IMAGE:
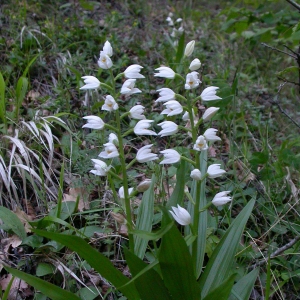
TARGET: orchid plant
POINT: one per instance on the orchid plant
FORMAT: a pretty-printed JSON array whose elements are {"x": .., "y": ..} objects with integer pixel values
[{"x": 181, "y": 259}]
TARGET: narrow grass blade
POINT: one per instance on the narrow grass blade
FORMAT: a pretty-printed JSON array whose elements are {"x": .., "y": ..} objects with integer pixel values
[
  {"x": 13, "y": 222},
  {"x": 52, "y": 291},
  {"x": 97, "y": 260},
  {"x": 144, "y": 220},
  {"x": 151, "y": 236},
  {"x": 7, "y": 290},
  {"x": 176, "y": 266},
  {"x": 150, "y": 285},
  {"x": 222, "y": 259},
  {"x": 242, "y": 289}
]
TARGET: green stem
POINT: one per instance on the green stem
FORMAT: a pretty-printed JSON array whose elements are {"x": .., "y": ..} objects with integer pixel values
[
  {"x": 179, "y": 76},
  {"x": 180, "y": 97},
  {"x": 113, "y": 83},
  {"x": 112, "y": 174},
  {"x": 130, "y": 164},
  {"x": 125, "y": 115},
  {"x": 125, "y": 183},
  {"x": 108, "y": 87},
  {"x": 184, "y": 128},
  {"x": 127, "y": 132},
  {"x": 110, "y": 127},
  {"x": 188, "y": 160},
  {"x": 118, "y": 76}
]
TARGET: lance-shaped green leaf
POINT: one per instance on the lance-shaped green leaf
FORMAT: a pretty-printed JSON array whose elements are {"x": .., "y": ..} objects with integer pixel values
[
  {"x": 50, "y": 290},
  {"x": 21, "y": 90},
  {"x": 144, "y": 220},
  {"x": 220, "y": 264},
  {"x": 97, "y": 260},
  {"x": 149, "y": 284},
  {"x": 222, "y": 292},
  {"x": 176, "y": 266},
  {"x": 178, "y": 193},
  {"x": 242, "y": 289}
]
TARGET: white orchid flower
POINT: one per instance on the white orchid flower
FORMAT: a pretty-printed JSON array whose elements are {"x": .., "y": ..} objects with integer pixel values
[
  {"x": 122, "y": 194},
  {"x": 196, "y": 174},
  {"x": 209, "y": 113},
  {"x": 128, "y": 87},
  {"x": 107, "y": 49},
  {"x": 144, "y": 154},
  {"x": 142, "y": 128},
  {"x": 189, "y": 48},
  {"x": 110, "y": 151},
  {"x": 100, "y": 167},
  {"x": 200, "y": 144},
  {"x": 209, "y": 94},
  {"x": 91, "y": 83},
  {"x": 165, "y": 94},
  {"x": 181, "y": 215},
  {"x": 168, "y": 128},
  {"x": 104, "y": 61},
  {"x": 173, "y": 108},
  {"x": 137, "y": 112},
  {"x": 133, "y": 72},
  {"x": 195, "y": 64},
  {"x": 165, "y": 72},
  {"x": 93, "y": 122},
  {"x": 192, "y": 80},
  {"x": 110, "y": 104},
  {"x": 215, "y": 171},
  {"x": 210, "y": 135},
  {"x": 171, "y": 156},
  {"x": 221, "y": 198}
]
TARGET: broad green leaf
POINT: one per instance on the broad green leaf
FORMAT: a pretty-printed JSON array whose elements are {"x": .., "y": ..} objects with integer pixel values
[
  {"x": 67, "y": 209},
  {"x": 222, "y": 291},
  {"x": 12, "y": 222},
  {"x": 150, "y": 285},
  {"x": 52, "y": 291},
  {"x": 88, "y": 293},
  {"x": 144, "y": 220},
  {"x": 242, "y": 289},
  {"x": 178, "y": 193},
  {"x": 44, "y": 269},
  {"x": 176, "y": 266},
  {"x": 220, "y": 264},
  {"x": 95, "y": 259}
]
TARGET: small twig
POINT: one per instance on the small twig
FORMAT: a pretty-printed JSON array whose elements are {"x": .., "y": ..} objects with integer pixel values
[
  {"x": 277, "y": 252},
  {"x": 291, "y": 50},
  {"x": 278, "y": 50},
  {"x": 288, "y": 81},
  {"x": 274, "y": 101},
  {"x": 294, "y": 4},
  {"x": 280, "y": 108}
]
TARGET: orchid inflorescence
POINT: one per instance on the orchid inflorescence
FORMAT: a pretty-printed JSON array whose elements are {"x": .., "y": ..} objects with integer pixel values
[{"x": 174, "y": 105}]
